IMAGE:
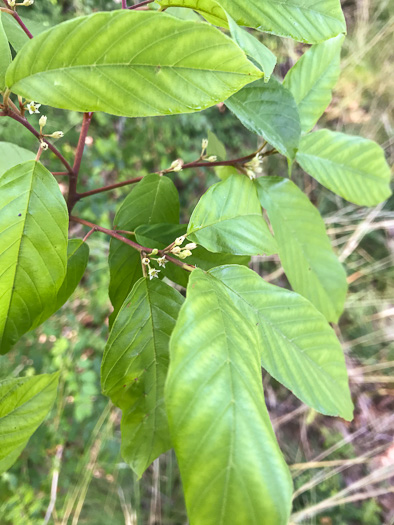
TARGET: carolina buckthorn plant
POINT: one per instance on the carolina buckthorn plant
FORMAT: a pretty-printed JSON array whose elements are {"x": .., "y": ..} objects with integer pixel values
[{"x": 185, "y": 369}]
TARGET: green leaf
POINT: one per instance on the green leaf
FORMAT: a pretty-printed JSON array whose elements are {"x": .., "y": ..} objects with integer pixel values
[
  {"x": 228, "y": 218},
  {"x": 353, "y": 167},
  {"x": 161, "y": 235},
  {"x": 24, "y": 404},
  {"x": 304, "y": 247},
  {"x": 77, "y": 260},
  {"x": 5, "y": 54},
  {"x": 269, "y": 110},
  {"x": 141, "y": 64},
  {"x": 134, "y": 369},
  {"x": 11, "y": 155},
  {"x": 153, "y": 200},
  {"x": 33, "y": 248},
  {"x": 232, "y": 469},
  {"x": 255, "y": 50},
  {"x": 312, "y": 78},
  {"x": 209, "y": 9},
  {"x": 215, "y": 146},
  {"x": 298, "y": 346},
  {"x": 224, "y": 172},
  {"x": 303, "y": 20},
  {"x": 215, "y": 14},
  {"x": 15, "y": 34}
]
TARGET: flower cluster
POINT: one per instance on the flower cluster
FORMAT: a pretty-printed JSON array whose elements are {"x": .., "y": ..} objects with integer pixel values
[
  {"x": 33, "y": 108},
  {"x": 253, "y": 167},
  {"x": 182, "y": 252},
  {"x": 25, "y": 3}
]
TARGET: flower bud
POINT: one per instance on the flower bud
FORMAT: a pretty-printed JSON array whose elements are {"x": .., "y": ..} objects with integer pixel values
[
  {"x": 179, "y": 240},
  {"x": 43, "y": 145},
  {"x": 204, "y": 144},
  {"x": 155, "y": 251},
  {"x": 42, "y": 121},
  {"x": 177, "y": 165},
  {"x": 175, "y": 250},
  {"x": 212, "y": 158},
  {"x": 191, "y": 246},
  {"x": 184, "y": 254},
  {"x": 57, "y": 135}
]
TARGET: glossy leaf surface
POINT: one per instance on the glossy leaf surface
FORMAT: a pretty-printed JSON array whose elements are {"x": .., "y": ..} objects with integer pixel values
[
  {"x": 352, "y": 167},
  {"x": 24, "y": 404},
  {"x": 303, "y": 246},
  {"x": 33, "y": 248},
  {"x": 5, "y": 53},
  {"x": 304, "y": 20},
  {"x": 11, "y": 155},
  {"x": 209, "y": 9},
  {"x": 153, "y": 200},
  {"x": 269, "y": 109},
  {"x": 298, "y": 346},
  {"x": 228, "y": 218},
  {"x": 218, "y": 420},
  {"x": 312, "y": 78},
  {"x": 134, "y": 369},
  {"x": 141, "y": 64}
]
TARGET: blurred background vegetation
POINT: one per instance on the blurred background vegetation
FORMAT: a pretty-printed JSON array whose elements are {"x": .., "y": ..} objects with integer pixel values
[{"x": 343, "y": 472}]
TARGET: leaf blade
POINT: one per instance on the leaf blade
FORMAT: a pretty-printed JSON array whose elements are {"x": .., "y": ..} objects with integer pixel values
[
  {"x": 228, "y": 218},
  {"x": 312, "y": 78},
  {"x": 214, "y": 375},
  {"x": 134, "y": 369},
  {"x": 33, "y": 214},
  {"x": 133, "y": 66},
  {"x": 304, "y": 248},
  {"x": 269, "y": 109},
  {"x": 352, "y": 167},
  {"x": 299, "y": 348},
  {"x": 25, "y": 402}
]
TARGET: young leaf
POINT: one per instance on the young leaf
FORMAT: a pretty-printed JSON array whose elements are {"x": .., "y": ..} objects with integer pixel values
[
  {"x": 215, "y": 146},
  {"x": 303, "y": 245},
  {"x": 141, "y": 64},
  {"x": 161, "y": 235},
  {"x": 153, "y": 200},
  {"x": 353, "y": 167},
  {"x": 33, "y": 248},
  {"x": 25, "y": 402},
  {"x": 312, "y": 78},
  {"x": 269, "y": 110},
  {"x": 5, "y": 54},
  {"x": 11, "y": 155},
  {"x": 305, "y": 21},
  {"x": 298, "y": 346},
  {"x": 231, "y": 466},
  {"x": 255, "y": 50},
  {"x": 134, "y": 369},
  {"x": 228, "y": 218}
]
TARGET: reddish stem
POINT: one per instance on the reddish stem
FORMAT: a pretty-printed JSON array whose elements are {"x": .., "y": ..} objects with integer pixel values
[
  {"x": 112, "y": 233},
  {"x": 124, "y": 4},
  {"x": 72, "y": 191},
  {"x": 27, "y": 125},
  {"x": 18, "y": 19},
  {"x": 141, "y": 4},
  {"x": 108, "y": 188}
]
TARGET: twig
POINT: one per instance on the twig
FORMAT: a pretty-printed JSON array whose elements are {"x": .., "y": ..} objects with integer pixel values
[
  {"x": 141, "y": 4},
  {"x": 17, "y": 18},
  {"x": 108, "y": 188},
  {"x": 72, "y": 190},
  {"x": 136, "y": 246},
  {"x": 55, "y": 479},
  {"x": 27, "y": 125}
]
